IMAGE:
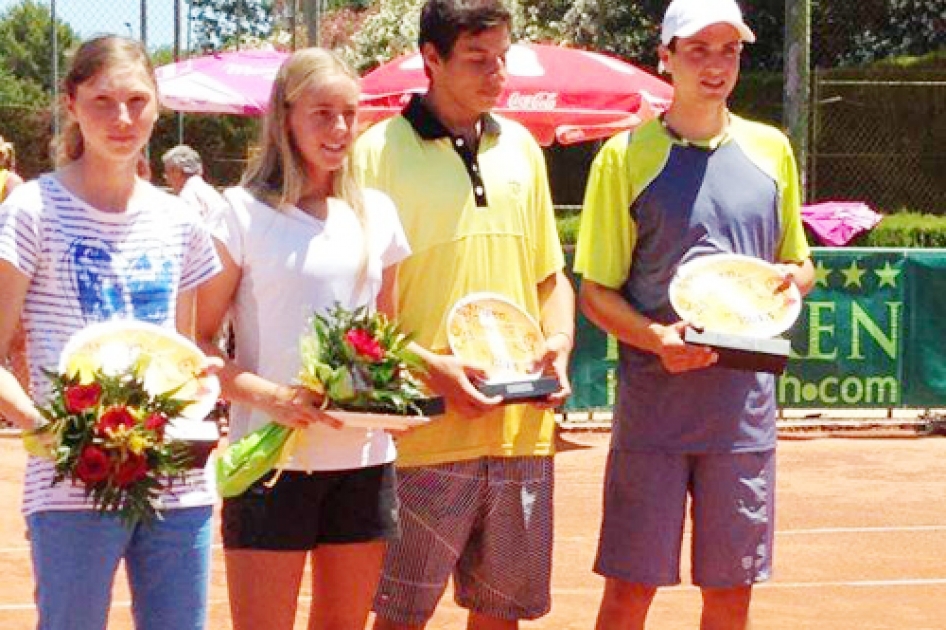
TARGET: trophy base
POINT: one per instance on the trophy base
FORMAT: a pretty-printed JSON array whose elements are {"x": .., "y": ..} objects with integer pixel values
[
  {"x": 739, "y": 352},
  {"x": 433, "y": 406},
  {"x": 522, "y": 391},
  {"x": 201, "y": 438}
]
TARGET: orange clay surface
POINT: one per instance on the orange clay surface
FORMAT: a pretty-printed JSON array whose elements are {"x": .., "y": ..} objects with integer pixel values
[{"x": 861, "y": 543}]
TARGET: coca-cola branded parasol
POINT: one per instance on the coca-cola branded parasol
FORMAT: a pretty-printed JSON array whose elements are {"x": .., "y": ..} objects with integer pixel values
[{"x": 558, "y": 93}]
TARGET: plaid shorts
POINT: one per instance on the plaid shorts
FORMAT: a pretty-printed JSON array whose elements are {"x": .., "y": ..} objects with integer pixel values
[{"x": 488, "y": 523}]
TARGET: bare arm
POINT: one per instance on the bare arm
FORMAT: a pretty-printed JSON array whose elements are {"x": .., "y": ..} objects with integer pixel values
[
  {"x": 186, "y": 302},
  {"x": 15, "y": 404},
  {"x": 286, "y": 404},
  {"x": 608, "y": 310},
  {"x": 557, "y": 304},
  {"x": 387, "y": 296}
]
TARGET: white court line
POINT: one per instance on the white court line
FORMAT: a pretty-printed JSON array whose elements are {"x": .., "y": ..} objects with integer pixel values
[
  {"x": 784, "y": 532},
  {"x": 683, "y": 588},
  {"x": 811, "y": 532},
  {"x": 26, "y": 548},
  {"x": 906, "y": 582},
  {"x": 124, "y": 603},
  {"x": 860, "y": 530}
]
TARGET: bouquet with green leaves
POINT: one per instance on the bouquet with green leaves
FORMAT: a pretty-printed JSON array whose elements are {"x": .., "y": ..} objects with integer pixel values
[
  {"x": 357, "y": 360},
  {"x": 108, "y": 435},
  {"x": 360, "y": 361}
]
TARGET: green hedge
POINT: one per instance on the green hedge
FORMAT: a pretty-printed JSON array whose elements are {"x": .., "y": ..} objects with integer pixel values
[
  {"x": 906, "y": 229},
  {"x": 903, "y": 229}
]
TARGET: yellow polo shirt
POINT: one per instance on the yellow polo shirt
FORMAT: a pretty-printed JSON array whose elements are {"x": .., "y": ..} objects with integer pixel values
[{"x": 480, "y": 221}]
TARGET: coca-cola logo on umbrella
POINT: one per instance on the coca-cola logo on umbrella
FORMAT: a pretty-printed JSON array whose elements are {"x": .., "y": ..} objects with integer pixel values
[
  {"x": 558, "y": 93},
  {"x": 538, "y": 102}
]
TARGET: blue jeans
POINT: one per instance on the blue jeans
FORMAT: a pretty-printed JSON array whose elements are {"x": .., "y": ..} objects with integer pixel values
[{"x": 76, "y": 554}]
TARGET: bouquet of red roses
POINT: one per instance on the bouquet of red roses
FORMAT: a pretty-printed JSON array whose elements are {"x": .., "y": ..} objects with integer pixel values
[{"x": 108, "y": 434}]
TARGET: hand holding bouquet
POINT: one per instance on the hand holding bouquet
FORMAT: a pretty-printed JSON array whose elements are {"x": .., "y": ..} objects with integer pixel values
[
  {"x": 108, "y": 434},
  {"x": 357, "y": 361},
  {"x": 360, "y": 362}
]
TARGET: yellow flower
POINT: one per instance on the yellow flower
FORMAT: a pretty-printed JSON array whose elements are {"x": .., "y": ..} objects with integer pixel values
[{"x": 138, "y": 443}]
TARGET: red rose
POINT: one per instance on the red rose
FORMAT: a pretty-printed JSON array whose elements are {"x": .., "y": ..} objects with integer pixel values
[
  {"x": 80, "y": 398},
  {"x": 156, "y": 422},
  {"x": 364, "y": 344},
  {"x": 131, "y": 470},
  {"x": 92, "y": 466},
  {"x": 114, "y": 418}
]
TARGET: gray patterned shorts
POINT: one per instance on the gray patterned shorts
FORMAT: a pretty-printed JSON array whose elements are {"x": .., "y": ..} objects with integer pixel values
[{"x": 488, "y": 523}]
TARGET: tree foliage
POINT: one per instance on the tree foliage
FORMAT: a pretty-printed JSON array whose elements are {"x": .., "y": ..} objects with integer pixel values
[
  {"x": 389, "y": 30},
  {"x": 843, "y": 33},
  {"x": 625, "y": 29},
  {"x": 25, "y": 35},
  {"x": 217, "y": 23},
  {"x": 26, "y": 80},
  {"x": 903, "y": 27}
]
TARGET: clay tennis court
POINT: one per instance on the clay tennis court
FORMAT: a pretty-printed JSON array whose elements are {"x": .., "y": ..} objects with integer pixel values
[{"x": 861, "y": 543}]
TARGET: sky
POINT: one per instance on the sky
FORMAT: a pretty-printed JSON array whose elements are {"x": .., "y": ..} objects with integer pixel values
[{"x": 89, "y": 17}]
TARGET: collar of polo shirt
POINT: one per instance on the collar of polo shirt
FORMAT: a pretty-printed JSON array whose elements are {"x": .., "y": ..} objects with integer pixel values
[{"x": 428, "y": 127}]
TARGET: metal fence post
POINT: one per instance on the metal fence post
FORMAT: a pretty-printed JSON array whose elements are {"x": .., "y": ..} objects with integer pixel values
[
  {"x": 55, "y": 39},
  {"x": 144, "y": 23},
  {"x": 313, "y": 9},
  {"x": 797, "y": 86}
]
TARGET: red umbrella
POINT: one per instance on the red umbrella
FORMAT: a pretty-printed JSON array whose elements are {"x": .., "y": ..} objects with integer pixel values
[
  {"x": 224, "y": 83},
  {"x": 558, "y": 93}
]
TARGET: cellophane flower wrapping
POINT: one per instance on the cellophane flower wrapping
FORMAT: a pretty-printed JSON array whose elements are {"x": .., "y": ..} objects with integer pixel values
[{"x": 357, "y": 360}]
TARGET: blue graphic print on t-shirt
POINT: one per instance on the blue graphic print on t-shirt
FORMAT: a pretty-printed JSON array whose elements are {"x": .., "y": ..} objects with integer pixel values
[{"x": 107, "y": 284}]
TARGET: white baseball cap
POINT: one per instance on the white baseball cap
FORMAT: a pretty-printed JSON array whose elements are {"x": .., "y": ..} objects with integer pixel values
[{"x": 685, "y": 18}]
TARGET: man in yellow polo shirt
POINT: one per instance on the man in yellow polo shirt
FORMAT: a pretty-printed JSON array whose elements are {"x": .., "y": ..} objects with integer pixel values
[{"x": 471, "y": 189}]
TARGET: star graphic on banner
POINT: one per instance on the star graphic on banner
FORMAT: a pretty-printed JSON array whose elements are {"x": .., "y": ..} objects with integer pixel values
[
  {"x": 822, "y": 274},
  {"x": 888, "y": 275},
  {"x": 852, "y": 275}
]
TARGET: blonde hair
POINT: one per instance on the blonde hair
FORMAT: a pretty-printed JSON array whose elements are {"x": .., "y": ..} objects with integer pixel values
[
  {"x": 7, "y": 155},
  {"x": 92, "y": 57},
  {"x": 276, "y": 172}
]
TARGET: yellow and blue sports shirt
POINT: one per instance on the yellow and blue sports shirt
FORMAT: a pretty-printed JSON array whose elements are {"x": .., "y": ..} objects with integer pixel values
[
  {"x": 478, "y": 219},
  {"x": 655, "y": 201}
]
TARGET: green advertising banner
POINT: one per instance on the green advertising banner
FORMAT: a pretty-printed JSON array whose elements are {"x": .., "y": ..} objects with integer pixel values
[{"x": 871, "y": 334}]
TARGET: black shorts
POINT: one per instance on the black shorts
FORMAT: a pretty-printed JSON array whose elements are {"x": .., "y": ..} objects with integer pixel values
[{"x": 305, "y": 510}]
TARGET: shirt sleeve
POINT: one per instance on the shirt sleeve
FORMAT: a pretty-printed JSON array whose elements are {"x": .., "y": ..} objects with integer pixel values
[
  {"x": 607, "y": 235},
  {"x": 189, "y": 196},
  {"x": 794, "y": 244},
  {"x": 385, "y": 226},
  {"x": 201, "y": 262},
  {"x": 228, "y": 223},
  {"x": 20, "y": 229}
]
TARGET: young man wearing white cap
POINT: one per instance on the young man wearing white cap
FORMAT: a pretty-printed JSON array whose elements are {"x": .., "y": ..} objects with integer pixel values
[{"x": 697, "y": 181}]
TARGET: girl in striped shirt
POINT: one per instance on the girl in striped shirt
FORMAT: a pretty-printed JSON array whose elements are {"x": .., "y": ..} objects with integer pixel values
[{"x": 86, "y": 243}]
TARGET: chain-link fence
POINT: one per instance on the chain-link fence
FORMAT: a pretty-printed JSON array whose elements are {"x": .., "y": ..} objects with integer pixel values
[
  {"x": 876, "y": 131},
  {"x": 880, "y": 141},
  {"x": 35, "y": 57},
  {"x": 878, "y": 111}
]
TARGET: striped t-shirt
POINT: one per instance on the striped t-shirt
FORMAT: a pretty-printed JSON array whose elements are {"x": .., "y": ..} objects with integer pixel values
[{"x": 87, "y": 266}]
